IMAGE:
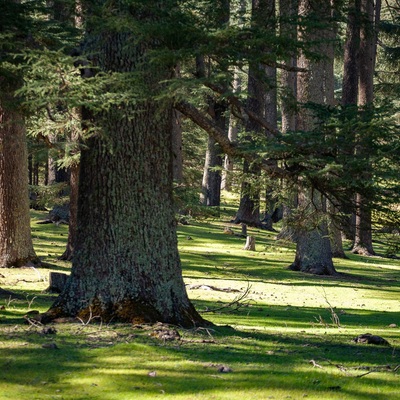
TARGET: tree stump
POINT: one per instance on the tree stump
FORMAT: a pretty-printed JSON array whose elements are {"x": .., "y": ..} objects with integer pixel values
[
  {"x": 57, "y": 282},
  {"x": 228, "y": 231},
  {"x": 250, "y": 243}
]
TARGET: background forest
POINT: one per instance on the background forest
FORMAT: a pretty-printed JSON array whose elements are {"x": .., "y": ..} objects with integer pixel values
[{"x": 142, "y": 124}]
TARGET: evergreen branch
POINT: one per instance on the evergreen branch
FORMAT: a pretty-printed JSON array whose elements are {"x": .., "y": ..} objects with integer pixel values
[
  {"x": 228, "y": 147},
  {"x": 238, "y": 105}
]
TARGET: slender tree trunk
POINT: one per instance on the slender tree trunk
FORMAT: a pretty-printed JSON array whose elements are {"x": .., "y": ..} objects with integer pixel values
[
  {"x": 16, "y": 248},
  {"x": 288, "y": 79},
  {"x": 126, "y": 265},
  {"x": 237, "y": 18},
  {"x": 211, "y": 185},
  {"x": 73, "y": 213},
  {"x": 313, "y": 250},
  {"x": 226, "y": 180},
  {"x": 249, "y": 207},
  {"x": 350, "y": 82},
  {"x": 335, "y": 234},
  {"x": 368, "y": 39},
  {"x": 177, "y": 166}
]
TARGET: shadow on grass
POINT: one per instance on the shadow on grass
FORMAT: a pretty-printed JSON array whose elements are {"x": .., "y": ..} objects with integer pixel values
[{"x": 262, "y": 364}]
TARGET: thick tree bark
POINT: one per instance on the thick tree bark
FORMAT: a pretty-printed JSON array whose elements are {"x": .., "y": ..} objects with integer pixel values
[
  {"x": 16, "y": 248},
  {"x": 313, "y": 250},
  {"x": 126, "y": 265}
]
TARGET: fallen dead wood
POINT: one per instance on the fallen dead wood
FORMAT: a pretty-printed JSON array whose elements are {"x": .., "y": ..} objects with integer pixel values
[{"x": 209, "y": 287}]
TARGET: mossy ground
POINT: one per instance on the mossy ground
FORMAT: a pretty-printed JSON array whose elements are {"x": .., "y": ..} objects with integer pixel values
[{"x": 289, "y": 337}]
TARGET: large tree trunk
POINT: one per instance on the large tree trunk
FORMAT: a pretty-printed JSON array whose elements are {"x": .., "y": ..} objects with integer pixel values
[
  {"x": 313, "y": 250},
  {"x": 16, "y": 248},
  {"x": 126, "y": 265}
]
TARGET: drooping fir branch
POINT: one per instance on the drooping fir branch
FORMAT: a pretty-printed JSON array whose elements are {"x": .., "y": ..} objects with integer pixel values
[{"x": 228, "y": 147}]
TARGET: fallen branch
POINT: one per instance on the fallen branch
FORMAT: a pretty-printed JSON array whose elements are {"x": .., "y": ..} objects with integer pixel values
[
  {"x": 236, "y": 302},
  {"x": 209, "y": 287}
]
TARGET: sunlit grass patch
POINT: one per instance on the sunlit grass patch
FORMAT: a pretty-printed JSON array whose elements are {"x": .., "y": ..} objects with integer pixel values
[{"x": 277, "y": 334}]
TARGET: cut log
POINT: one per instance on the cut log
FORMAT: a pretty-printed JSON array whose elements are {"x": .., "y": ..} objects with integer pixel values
[
  {"x": 57, "y": 281},
  {"x": 250, "y": 243}
]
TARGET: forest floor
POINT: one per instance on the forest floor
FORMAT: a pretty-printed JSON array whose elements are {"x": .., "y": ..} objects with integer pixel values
[{"x": 278, "y": 334}]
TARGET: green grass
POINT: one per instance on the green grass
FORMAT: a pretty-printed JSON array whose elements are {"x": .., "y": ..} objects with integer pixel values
[{"x": 268, "y": 338}]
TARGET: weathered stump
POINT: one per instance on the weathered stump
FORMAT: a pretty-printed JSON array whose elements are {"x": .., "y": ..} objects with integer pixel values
[
  {"x": 250, "y": 243},
  {"x": 57, "y": 281}
]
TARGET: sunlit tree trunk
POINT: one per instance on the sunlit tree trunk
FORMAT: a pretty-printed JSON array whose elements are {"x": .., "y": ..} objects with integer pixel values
[{"x": 16, "y": 248}]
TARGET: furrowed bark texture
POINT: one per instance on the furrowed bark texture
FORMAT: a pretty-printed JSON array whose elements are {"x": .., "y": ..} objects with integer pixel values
[
  {"x": 126, "y": 265},
  {"x": 16, "y": 247}
]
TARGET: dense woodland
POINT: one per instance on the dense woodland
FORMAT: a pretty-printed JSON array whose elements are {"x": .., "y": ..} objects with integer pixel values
[{"x": 136, "y": 114}]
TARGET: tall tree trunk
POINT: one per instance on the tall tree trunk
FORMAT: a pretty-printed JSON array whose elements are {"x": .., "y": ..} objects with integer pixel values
[
  {"x": 350, "y": 81},
  {"x": 249, "y": 208},
  {"x": 237, "y": 18},
  {"x": 16, "y": 248},
  {"x": 288, "y": 79},
  {"x": 368, "y": 40},
  {"x": 226, "y": 179},
  {"x": 73, "y": 212},
  {"x": 211, "y": 185},
  {"x": 335, "y": 234},
  {"x": 313, "y": 250},
  {"x": 126, "y": 265},
  {"x": 271, "y": 115}
]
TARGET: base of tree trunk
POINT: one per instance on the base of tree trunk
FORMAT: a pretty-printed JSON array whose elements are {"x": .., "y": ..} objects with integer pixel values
[
  {"x": 67, "y": 255},
  {"x": 315, "y": 269},
  {"x": 127, "y": 310},
  {"x": 250, "y": 243},
  {"x": 30, "y": 262},
  {"x": 363, "y": 251}
]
